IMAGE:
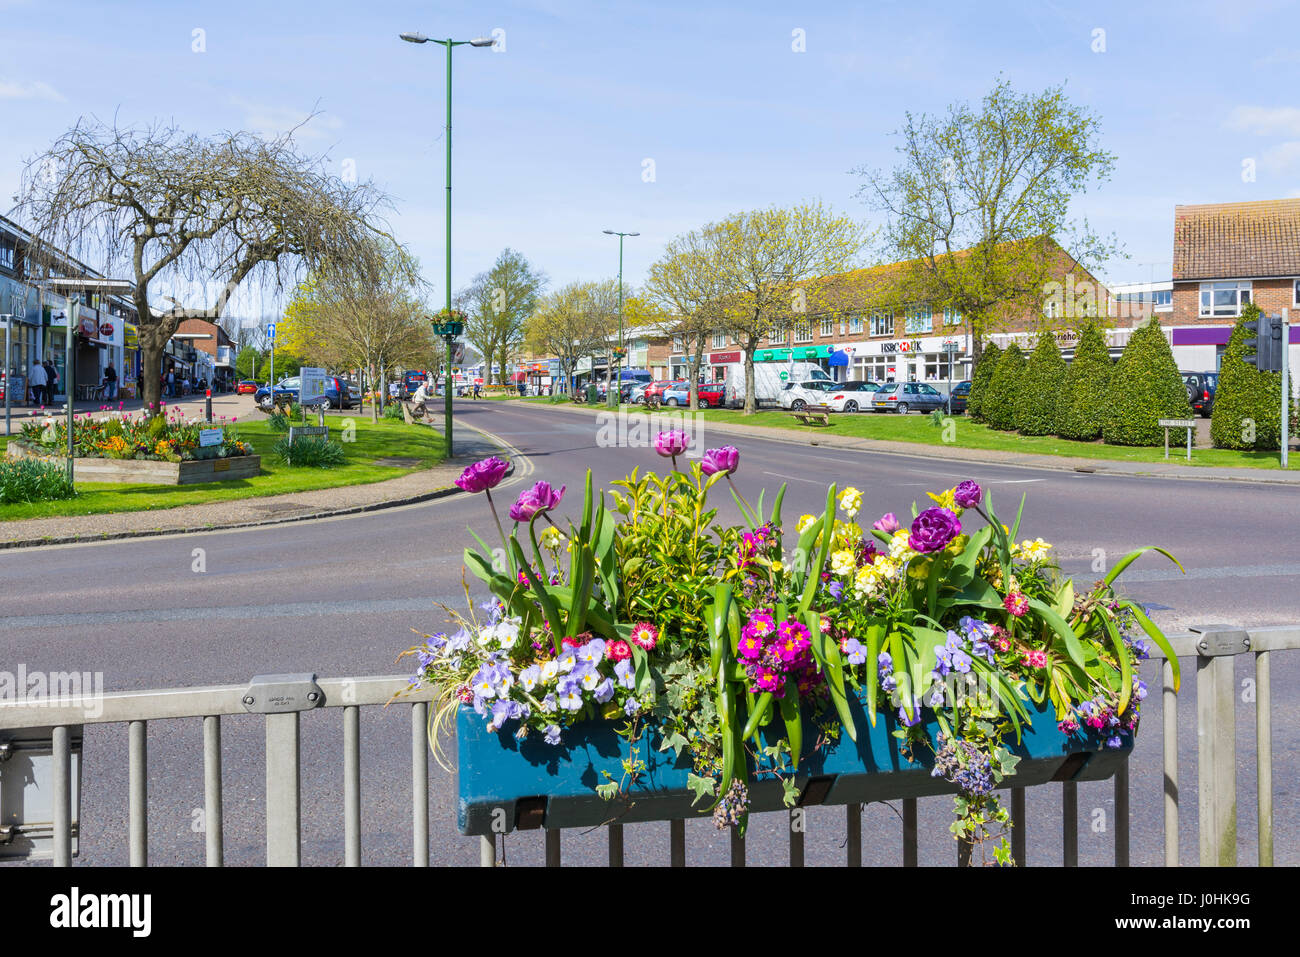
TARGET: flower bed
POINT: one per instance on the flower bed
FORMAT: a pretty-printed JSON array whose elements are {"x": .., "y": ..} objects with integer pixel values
[{"x": 648, "y": 658}]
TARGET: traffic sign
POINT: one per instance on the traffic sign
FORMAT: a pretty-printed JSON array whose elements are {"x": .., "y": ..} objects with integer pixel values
[{"x": 270, "y": 331}]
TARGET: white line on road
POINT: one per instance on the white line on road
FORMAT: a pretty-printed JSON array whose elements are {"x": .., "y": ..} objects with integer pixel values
[{"x": 796, "y": 478}]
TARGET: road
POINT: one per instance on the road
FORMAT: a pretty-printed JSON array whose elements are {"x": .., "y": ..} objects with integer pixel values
[{"x": 341, "y": 597}]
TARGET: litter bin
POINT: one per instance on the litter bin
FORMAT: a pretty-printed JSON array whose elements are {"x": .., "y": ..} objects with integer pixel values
[{"x": 593, "y": 394}]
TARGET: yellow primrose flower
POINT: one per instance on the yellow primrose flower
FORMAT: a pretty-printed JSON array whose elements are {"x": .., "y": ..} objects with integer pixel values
[
  {"x": 957, "y": 545},
  {"x": 947, "y": 500},
  {"x": 848, "y": 533},
  {"x": 865, "y": 581},
  {"x": 899, "y": 548},
  {"x": 1036, "y": 550},
  {"x": 804, "y": 522},
  {"x": 551, "y": 539},
  {"x": 842, "y": 562},
  {"x": 886, "y": 569},
  {"x": 777, "y": 568},
  {"x": 850, "y": 501}
]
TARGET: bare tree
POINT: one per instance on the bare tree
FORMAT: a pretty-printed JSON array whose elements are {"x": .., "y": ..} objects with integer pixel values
[
  {"x": 197, "y": 215},
  {"x": 574, "y": 322}
]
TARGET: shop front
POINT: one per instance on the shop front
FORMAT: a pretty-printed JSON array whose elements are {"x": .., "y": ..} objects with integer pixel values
[{"x": 925, "y": 359}]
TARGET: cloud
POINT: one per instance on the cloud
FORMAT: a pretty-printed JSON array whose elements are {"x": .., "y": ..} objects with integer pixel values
[
  {"x": 29, "y": 90},
  {"x": 1266, "y": 120},
  {"x": 1282, "y": 158},
  {"x": 271, "y": 121}
]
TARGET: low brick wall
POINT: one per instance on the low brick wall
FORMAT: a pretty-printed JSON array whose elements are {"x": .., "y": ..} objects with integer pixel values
[{"x": 149, "y": 472}]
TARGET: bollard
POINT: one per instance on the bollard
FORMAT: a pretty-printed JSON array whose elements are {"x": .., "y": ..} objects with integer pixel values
[{"x": 207, "y": 406}]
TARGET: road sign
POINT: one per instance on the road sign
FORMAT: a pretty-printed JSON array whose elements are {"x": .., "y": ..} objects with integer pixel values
[
  {"x": 1188, "y": 424},
  {"x": 270, "y": 332},
  {"x": 311, "y": 385}
]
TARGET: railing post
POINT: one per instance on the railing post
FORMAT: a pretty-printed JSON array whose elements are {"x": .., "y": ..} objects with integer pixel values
[
  {"x": 1121, "y": 815},
  {"x": 854, "y": 825},
  {"x": 615, "y": 844},
  {"x": 552, "y": 847},
  {"x": 138, "y": 788},
  {"x": 1216, "y": 745},
  {"x": 677, "y": 842},
  {"x": 737, "y": 848},
  {"x": 1070, "y": 823},
  {"x": 1170, "y": 714},
  {"x": 1264, "y": 755},
  {"x": 283, "y": 783},
  {"x": 213, "y": 825},
  {"x": 420, "y": 782},
  {"x": 909, "y": 832},
  {"x": 62, "y": 749},
  {"x": 351, "y": 786},
  {"x": 1018, "y": 825}
]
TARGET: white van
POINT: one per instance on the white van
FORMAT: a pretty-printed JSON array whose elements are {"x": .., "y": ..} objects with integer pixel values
[{"x": 769, "y": 379}]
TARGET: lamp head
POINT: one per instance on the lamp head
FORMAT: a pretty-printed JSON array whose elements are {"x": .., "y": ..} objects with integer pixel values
[
  {"x": 411, "y": 37},
  {"x": 481, "y": 42}
]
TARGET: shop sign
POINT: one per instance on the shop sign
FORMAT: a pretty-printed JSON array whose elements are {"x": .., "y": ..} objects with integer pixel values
[
  {"x": 913, "y": 345},
  {"x": 723, "y": 358},
  {"x": 106, "y": 330},
  {"x": 89, "y": 328}
]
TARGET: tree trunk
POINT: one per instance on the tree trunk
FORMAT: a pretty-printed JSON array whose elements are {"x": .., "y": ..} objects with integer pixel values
[
  {"x": 151, "y": 356},
  {"x": 696, "y": 367},
  {"x": 751, "y": 404}
]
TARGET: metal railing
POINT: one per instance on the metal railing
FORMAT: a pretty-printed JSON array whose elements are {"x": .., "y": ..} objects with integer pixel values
[{"x": 283, "y": 698}]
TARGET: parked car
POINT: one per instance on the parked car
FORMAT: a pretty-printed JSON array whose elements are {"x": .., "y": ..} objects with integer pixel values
[
  {"x": 770, "y": 380},
  {"x": 960, "y": 397},
  {"x": 336, "y": 394},
  {"x": 246, "y": 387},
  {"x": 796, "y": 395},
  {"x": 656, "y": 389},
  {"x": 1201, "y": 388},
  {"x": 711, "y": 394},
  {"x": 904, "y": 397},
  {"x": 851, "y": 396}
]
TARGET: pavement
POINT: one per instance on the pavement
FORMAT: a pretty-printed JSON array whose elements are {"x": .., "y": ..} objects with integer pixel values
[{"x": 1173, "y": 469}]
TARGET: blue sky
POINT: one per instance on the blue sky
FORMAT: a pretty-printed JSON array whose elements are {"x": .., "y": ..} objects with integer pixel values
[{"x": 552, "y": 134}]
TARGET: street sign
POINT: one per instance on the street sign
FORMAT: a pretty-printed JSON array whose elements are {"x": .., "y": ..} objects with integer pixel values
[
  {"x": 270, "y": 332},
  {"x": 210, "y": 437},
  {"x": 1177, "y": 423},
  {"x": 311, "y": 386}
]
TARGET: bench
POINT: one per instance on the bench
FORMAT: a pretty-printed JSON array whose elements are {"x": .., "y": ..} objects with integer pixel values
[{"x": 813, "y": 415}]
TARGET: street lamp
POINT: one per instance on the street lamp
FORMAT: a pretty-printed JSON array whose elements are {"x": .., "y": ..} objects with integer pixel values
[
  {"x": 449, "y": 44},
  {"x": 612, "y": 393}
]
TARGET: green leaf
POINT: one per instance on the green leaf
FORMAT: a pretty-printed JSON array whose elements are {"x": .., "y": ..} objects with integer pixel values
[
  {"x": 1015, "y": 526},
  {"x": 1122, "y": 656},
  {"x": 789, "y": 791},
  {"x": 1133, "y": 556},
  {"x": 1156, "y": 635},
  {"x": 702, "y": 787},
  {"x": 1058, "y": 625},
  {"x": 793, "y": 722},
  {"x": 761, "y": 706}
]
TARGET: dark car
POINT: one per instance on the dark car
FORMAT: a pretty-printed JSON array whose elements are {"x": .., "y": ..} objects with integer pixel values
[
  {"x": 287, "y": 390},
  {"x": 1201, "y": 387},
  {"x": 960, "y": 397},
  {"x": 904, "y": 397}
]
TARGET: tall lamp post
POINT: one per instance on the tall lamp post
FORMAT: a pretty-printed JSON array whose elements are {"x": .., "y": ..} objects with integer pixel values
[
  {"x": 612, "y": 393},
  {"x": 448, "y": 44}
]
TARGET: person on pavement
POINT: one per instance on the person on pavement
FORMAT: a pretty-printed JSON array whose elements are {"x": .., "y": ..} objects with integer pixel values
[
  {"x": 36, "y": 383},
  {"x": 110, "y": 381}
]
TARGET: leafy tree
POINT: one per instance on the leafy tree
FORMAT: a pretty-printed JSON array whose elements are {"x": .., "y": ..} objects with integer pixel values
[
  {"x": 1038, "y": 400},
  {"x": 1145, "y": 387},
  {"x": 1247, "y": 403},
  {"x": 999, "y": 403},
  {"x": 497, "y": 304},
  {"x": 200, "y": 216},
  {"x": 1087, "y": 386},
  {"x": 979, "y": 194},
  {"x": 767, "y": 260},
  {"x": 573, "y": 323},
  {"x": 985, "y": 366}
]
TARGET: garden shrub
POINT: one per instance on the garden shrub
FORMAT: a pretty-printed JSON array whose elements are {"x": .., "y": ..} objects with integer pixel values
[
  {"x": 1248, "y": 403},
  {"x": 1146, "y": 386},
  {"x": 1038, "y": 401},
  {"x": 309, "y": 451},
  {"x": 393, "y": 411},
  {"x": 29, "y": 480},
  {"x": 980, "y": 380},
  {"x": 1087, "y": 385},
  {"x": 999, "y": 406}
]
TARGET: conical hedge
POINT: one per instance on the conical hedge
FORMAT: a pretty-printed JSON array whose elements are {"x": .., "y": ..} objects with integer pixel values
[
  {"x": 979, "y": 383},
  {"x": 1145, "y": 387},
  {"x": 1038, "y": 403},
  {"x": 1087, "y": 384},
  {"x": 1248, "y": 403},
  {"x": 999, "y": 405}
]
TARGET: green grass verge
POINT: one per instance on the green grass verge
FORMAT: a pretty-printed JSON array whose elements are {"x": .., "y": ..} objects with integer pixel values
[
  {"x": 918, "y": 429},
  {"x": 373, "y": 441}
]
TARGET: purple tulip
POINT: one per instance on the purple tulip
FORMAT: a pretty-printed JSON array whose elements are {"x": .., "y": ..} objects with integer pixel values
[
  {"x": 483, "y": 475},
  {"x": 722, "y": 460},
  {"x": 671, "y": 443},
  {"x": 887, "y": 523},
  {"x": 933, "y": 529},
  {"x": 540, "y": 498},
  {"x": 968, "y": 494}
]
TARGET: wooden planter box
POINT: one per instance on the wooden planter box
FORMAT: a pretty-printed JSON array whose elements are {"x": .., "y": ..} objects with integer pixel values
[
  {"x": 149, "y": 472},
  {"x": 507, "y": 783}
]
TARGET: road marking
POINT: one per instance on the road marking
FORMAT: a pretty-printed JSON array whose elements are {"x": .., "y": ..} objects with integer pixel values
[{"x": 796, "y": 478}]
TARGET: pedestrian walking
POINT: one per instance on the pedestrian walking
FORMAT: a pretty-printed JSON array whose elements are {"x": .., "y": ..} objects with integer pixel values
[
  {"x": 36, "y": 382},
  {"x": 110, "y": 381},
  {"x": 51, "y": 379}
]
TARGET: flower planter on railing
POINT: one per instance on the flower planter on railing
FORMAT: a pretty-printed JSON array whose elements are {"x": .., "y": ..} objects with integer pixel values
[{"x": 505, "y": 783}]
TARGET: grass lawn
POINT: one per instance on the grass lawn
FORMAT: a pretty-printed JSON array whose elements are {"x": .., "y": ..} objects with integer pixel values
[
  {"x": 972, "y": 435},
  {"x": 373, "y": 440}
]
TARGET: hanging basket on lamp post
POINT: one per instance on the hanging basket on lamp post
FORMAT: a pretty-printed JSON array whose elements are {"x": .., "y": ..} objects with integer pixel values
[{"x": 448, "y": 323}]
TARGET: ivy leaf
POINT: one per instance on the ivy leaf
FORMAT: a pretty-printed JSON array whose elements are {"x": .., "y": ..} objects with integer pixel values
[
  {"x": 675, "y": 740},
  {"x": 703, "y": 787},
  {"x": 608, "y": 791},
  {"x": 790, "y": 795}
]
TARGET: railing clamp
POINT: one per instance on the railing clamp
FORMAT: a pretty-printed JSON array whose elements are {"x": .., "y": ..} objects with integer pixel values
[
  {"x": 280, "y": 694},
  {"x": 6, "y": 751},
  {"x": 1218, "y": 640}
]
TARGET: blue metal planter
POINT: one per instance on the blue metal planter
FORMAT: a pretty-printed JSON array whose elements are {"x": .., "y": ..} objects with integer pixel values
[{"x": 505, "y": 783}]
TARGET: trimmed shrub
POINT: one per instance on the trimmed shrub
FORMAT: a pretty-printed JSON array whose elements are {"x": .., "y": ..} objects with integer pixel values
[
  {"x": 1146, "y": 386},
  {"x": 309, "y": 451},
  {"x": 1248, "y": 403},
  {"x": 1038, "y": 403},
  {"x": 1087, "y": 386},
  {"x": 999, "y": 405},
  {"x": 980, "y": 380},
  {"x": 29, "y": 480},
  {"x": 393, "y": 411}
]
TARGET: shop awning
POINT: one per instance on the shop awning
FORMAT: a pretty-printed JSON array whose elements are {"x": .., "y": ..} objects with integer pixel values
[{"x": 839, "y": 358}]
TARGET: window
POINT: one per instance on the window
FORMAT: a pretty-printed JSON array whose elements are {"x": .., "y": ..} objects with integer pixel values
[
  {"x": 803, "y": 330},
  {"x": 1049, "y": 309},
  {"x": 719, "y": 340},
  {"x": 1295, "y": 298},
  {"x": 951, "y": 317},
  {"x": 828, "y": 328},
  {"x": 855, "y": 324},
  {"x": 6, "y": 254},
  {"x": 1163, "y": 299},
  {"x": 1224, "y": 298},
  {"x": 882, "y": 323},
  {"x": 778, "y": 332},
  {"x": 919, "y": 319}
]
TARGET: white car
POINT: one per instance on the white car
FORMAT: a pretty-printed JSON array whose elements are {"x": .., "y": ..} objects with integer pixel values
[
  {"x": 795, "y": 395},
  {"x": 851, "y": 396}
]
